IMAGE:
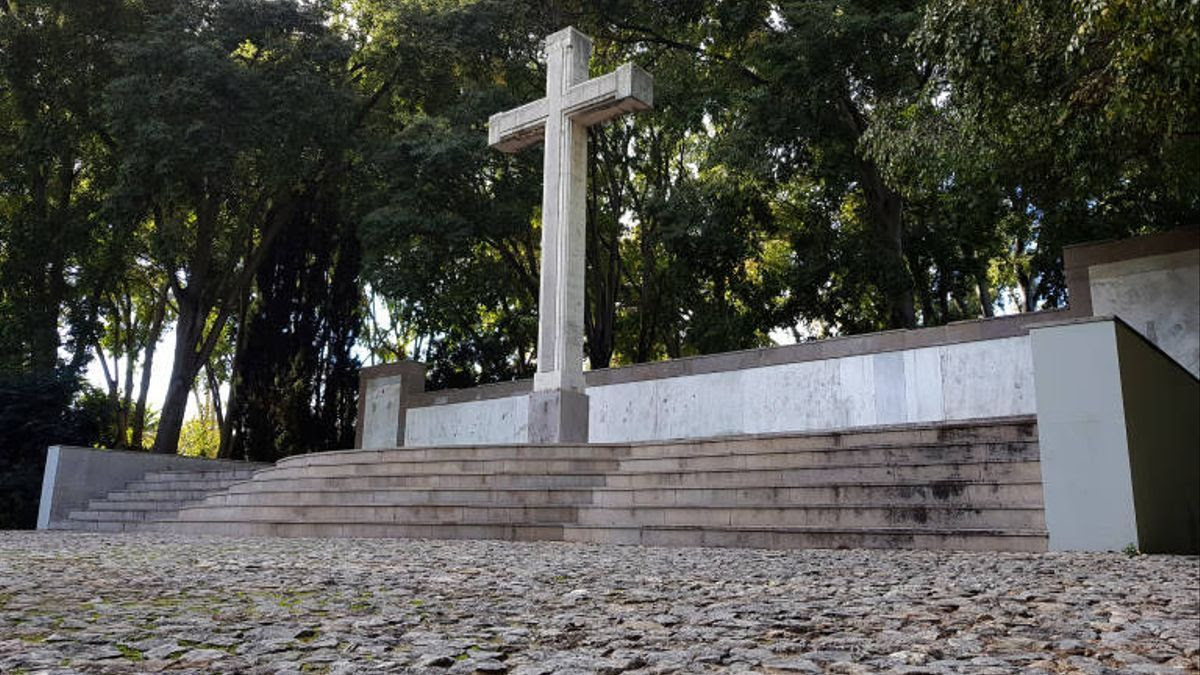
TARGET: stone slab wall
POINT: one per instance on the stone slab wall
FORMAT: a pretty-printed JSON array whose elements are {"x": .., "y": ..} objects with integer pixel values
[
  {"x": 1152, "y": 283},
  {"x": 1159, "y": 296},
  {"x": 74, "y": 476},
  {"x": 984, "y": 378}
]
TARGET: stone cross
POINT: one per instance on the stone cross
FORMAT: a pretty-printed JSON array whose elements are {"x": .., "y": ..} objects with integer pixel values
[{"x": 558, "y": 406}]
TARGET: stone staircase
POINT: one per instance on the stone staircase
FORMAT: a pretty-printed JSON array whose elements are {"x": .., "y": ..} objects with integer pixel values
[
  {"x": 968, "y": 485},
  {"x": 157, "y": 496}
]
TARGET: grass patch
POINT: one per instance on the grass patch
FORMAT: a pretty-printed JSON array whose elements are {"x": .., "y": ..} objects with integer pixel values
[
  {"x": 292, "y": 599},
  {"x": 130, "y": 652},
  {"x": 193, "y": 644}
]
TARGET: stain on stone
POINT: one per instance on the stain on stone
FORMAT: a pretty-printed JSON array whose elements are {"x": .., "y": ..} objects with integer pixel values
[{"x": 946, "y": 490}]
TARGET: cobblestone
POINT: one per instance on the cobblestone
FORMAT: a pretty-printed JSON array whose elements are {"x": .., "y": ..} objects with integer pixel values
[{"x": 75, "y": 603}]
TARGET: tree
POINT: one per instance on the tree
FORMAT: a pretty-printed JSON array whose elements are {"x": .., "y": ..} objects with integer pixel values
[
  {"x": 1078, "y": 119},
  {"x": 226, "y": 110},
  {"x": 295, "y": 380},
  {"x": 54, "y": 58}
]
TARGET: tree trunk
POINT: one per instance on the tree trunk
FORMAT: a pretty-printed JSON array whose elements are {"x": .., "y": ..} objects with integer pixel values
[
  {"x": 214, "y": 389},
  {"x": 985, "y": 296},
  {"x": 156, "y": 324},
  {"x": 183, "y": 376},
  {"x": 895, "y": 282},
  {"x": 603, "y": 259},
  {"x": 234, "y": 404}
]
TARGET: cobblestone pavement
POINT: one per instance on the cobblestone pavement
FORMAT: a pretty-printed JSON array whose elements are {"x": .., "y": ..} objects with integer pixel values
[{"x": 148, "y": 603}]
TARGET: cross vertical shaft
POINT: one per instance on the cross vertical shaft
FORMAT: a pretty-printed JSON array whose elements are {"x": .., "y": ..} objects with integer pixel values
[
  {"x": 558, "y": 408},
  {"x": 564, "y": 213}
]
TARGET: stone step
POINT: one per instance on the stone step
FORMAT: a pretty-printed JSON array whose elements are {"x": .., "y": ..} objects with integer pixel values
[
  {"x": 972, "y": 485},
  {"x": 958, "y": 539},
  {"x": 1014, "y": 429},
  {"x": 427, "y": 481},
  {"x": 1006, "y": 471},
  {"x": 892, "y": 493},
  {"x": 112, "y": 515},
  {"x": 383, "y": 514},
  {"x": 901, "y": 493},
  {"x": 360, "y": 464},
  {"x": 981, "y": 539},
  {"x": 159, "y": 495},
  {"x": 817, "y": 515},
  {"x": 1014, "y": 471},
  {"x": 90, "y": 525},
  {"x": 742, "y": 515},
  {"x": 951, "y": 453},
  {"x": 885, "y": 437},
  {"x": 183, "y": 484},
  {"x": 170, "y": 505},
  {"x": 458, "y": 453},
  {"x": 423, "y": 467},
  {"x": 214, "y": 474}
]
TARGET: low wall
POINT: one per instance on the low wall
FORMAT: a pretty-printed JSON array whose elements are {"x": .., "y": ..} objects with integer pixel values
[
  {"x": 74, "y": 476},
  {"x": 962, "y": 371}
]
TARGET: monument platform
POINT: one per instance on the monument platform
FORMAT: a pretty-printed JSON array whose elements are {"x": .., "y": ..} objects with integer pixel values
[
  {"x": 1058, "y": 430},
  {"x": 972, "y": 485}
]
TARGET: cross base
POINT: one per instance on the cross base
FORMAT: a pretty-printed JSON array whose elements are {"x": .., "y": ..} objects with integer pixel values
[{"x": 558, "y": 416}]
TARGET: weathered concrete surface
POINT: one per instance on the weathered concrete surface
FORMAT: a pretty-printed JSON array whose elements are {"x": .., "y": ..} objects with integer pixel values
[
  {"x": 1159, "y": 296},
  {"x": 558, "y": 416},
  {"x": 139, "y": 603},
  {"x": 1152, "y": 282},
  {"x": 497, "y": 420}
]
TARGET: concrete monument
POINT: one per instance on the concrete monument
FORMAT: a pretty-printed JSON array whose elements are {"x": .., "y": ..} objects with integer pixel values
[{"x": 558, "y": 406}]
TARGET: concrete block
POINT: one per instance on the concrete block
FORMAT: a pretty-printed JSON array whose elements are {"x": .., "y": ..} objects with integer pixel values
[
  {"x": 558, "y": 416},
  {"x": 923, "y": 385},
  {"x": 1081, "y": 429},
  {"x": 383, "y": 400}
]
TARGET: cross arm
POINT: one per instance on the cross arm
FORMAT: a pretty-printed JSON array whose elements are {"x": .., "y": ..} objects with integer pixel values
[
  {"x": 627, "y": 89},
  {"x": 512, "y": 130}
]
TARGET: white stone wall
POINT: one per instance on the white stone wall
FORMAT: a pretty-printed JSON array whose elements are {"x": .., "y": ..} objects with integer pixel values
[
  {"x": 497, "y": 420},
  {"x": 988, "y": 378},
  {"x": 975, "y": 379},
  {"x": 1159, "y": 296}
]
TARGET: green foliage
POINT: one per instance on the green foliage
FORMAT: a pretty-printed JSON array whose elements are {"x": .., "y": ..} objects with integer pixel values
[
  {"x": 201, "y": 436},
  {"x": 1067, "y": 122}
]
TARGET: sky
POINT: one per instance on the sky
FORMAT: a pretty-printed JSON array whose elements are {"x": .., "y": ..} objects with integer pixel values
[{"x": 160, "y": 374}]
